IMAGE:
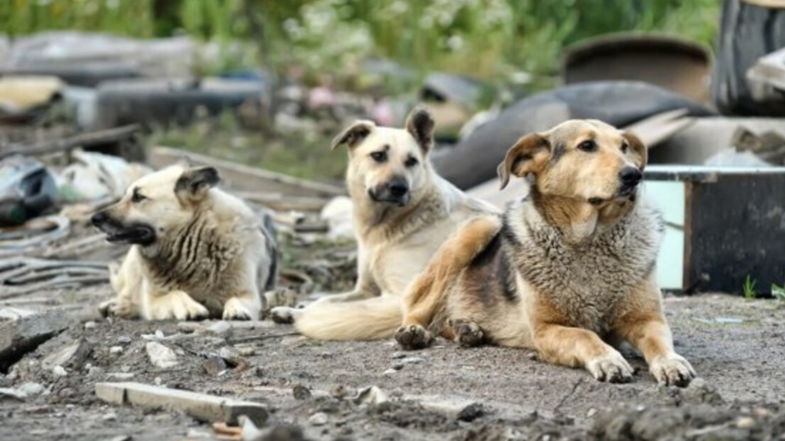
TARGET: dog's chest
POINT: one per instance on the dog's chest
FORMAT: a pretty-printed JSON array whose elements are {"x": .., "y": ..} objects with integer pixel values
[{"x": 585, "y": 283}]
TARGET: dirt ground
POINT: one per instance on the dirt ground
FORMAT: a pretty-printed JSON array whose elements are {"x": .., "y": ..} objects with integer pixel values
[{"x": 444, "y": 392}]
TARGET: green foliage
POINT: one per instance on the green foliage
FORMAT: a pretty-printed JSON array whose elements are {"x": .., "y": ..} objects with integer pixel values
[
  {"x": 778, "y": 291},
  {"x": 484, "y": 38},
  {"x": 749, "y": 288}
]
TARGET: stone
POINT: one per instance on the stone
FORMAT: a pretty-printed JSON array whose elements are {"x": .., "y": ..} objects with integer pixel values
[
  {"x": 220, "y": 328},
  {"x": 203, "y": 407},
  {"x": 471, "y": 412},
  {"x": 115, "y": 349},
  {"x": 301, "y": 392},
  {"x": 371, "y": 395},
  {"x": 318, "y": 419},
  {"x": 22, "y": 335},
  {"x": 214, "y": 365},
  {"x": 161, "y": 356},
  {"x": 281, "y": 432},
  {"x": 59, "y": 371},
  {"x": 90, "y": 325},
  {"x": 70, "y": 355}
]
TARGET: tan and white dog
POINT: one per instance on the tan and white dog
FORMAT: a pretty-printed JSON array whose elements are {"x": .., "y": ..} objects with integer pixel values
[
  {"x": 566, "y": 271},
  {"x": 403, "y": 211},
  {"x": 196, "y": 250}
]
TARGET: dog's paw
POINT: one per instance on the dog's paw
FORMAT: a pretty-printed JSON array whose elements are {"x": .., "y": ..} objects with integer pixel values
[
  {"x": 611, "y": 367},
  {"x": 413, "y": 337},
  {"x": 108, "y": 308},
  {"x": 179, "y": 306},
  {"x": 672, "y": 370},
  {"x": 235, "y": 309},
  {"x": 467, "y": 333},
  {"x": 283, "y": 315}
]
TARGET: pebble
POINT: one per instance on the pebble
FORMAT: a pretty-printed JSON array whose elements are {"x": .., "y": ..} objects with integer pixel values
[
  {"x": 159, "y": 334},
  {"x": 90, "y": 325},
  {"x": 115, "y": 349},
  {"x": 189, "y": 327},
  {"x": 397, "y": 355},
  {"x": 123, "y": 339},
  {"x": 389, "y": 371},
  {"x": 301, "y": 392},
  {"x": 471, "y": 412},
  {"x": 246, "y": 351},
  {"x": 412, "y": 360},
  {"x": 214, "y": 365},
  {"x": 745, "y": 422},
  {"x": 111, "y": 416},
  {"x": 121, "y": 375},
  {"x": 220, "y": 328},
  {"x": 318, "y": 419},
  {"x": 161, "y": 356},
  {"x": 59, "y": 371}
]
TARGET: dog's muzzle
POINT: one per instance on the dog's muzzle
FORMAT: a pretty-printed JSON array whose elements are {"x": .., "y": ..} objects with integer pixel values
[
  {"x": 630, "y": 177},
  {"x": 136, "y": 233},
  {"x": 396, "y": 191}
]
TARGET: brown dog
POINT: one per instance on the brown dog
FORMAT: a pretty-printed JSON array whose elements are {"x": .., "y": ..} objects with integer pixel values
[{"x": 566, "y": 269}]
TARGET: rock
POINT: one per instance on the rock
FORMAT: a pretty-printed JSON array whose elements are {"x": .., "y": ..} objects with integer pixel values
[
  {"x": 11, "y": 393},
  {"x": 230, "y": 355},
  {"x": 22, "y": 392},
  {"x": 318, "y": 419},
  {"x": 389, "y": 371},
  {"x": 161, "y": 356},
  {"x": 471, "y": 412},
  {"x": 71, "y": 355},
  {"x": 22, "y": 335},
  {"x": 371, "y": 395},
  {"x": 214, "y": 365},
  {"x": 200, "y": 406},
  {"x": 745, "y": 422},
  {"x": 189, "y": 327},
  {"x": 122, "y": 438},
  {"x": 412, "y": 360},
  {"x": 31, "y": 389},
  {"x": 220, "y": 328},
  {"x": 340, "y": 392},
  {"x": 121, "y": 375},
  {"x": 700, "y": 392},
  {"x": 281, "y": 432},
  {"x": 301, "y": 392},
  {"x": 59, "y": 371},
  {"x": 124, "y": 339},
  {"x": 90, "y": 325},
  {"x": 115, "y": 349},
  {"x": 246, "y": 351}
]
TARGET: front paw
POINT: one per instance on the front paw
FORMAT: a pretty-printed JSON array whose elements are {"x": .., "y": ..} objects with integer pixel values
[
  {"x": 283, "y": 315},
  {"x": 413, "y": 337},
  {"x": 179, "y": 306},
  {"x": 672, "y": 370},
  {"x": 115, "y": 308},
  {"x": 611, "y": 367},
  {"x": 235, "y": 309}
]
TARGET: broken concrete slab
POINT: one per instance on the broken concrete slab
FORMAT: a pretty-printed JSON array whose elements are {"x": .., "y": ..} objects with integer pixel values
[
  {"x": 20, "y": 336},
  {"x": 203, "y": 407}
]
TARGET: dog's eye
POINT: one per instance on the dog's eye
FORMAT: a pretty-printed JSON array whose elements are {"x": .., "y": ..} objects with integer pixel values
[
  {"x": 624, "y": 147},
  {"x": 588, "y": 146},
  {"x": 379, "y": 156},
  {"x": 137, "y": 197},
  {"x": 411, "y": 161}
]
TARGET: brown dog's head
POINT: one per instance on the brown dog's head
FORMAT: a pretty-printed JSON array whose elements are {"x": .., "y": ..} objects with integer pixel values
[
  {"x": 389, "y": 165},
  {"x": 587, "y": 160},
  {"x": 156, "y": 204}
]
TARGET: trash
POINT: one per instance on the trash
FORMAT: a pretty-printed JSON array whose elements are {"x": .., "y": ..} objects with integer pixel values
[
  {"x": 670, "y": 62},
  {"x": 620, "y": 103},
  {"x": 19, "y": 276},
  {"x": 338, "y": 215},
  {"x": 226, "y": 432},
  {"x": 27, "y": 189},
  {"x": 95, "y": 176},
  {"x": 201, "y": 406},
  {"x": 161, "y": 356},
  {"x": 21, "y": 94}
]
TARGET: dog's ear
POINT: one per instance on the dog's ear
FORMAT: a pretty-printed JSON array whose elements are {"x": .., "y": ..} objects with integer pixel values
[
  {"x": 637, "y": 151},
  {"x": 194, "y": 183},
  {"x": 524, "y": 157},
  {"x": 353, "y": 134},
  {"x": 420, "y": 124}
]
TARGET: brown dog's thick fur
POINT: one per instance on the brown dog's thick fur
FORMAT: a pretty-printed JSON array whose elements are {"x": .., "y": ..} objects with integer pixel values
[{"x": 565, "y": 270}]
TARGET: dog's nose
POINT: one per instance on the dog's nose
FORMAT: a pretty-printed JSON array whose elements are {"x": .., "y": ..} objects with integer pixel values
[
  {"x": 99, "y": 218},
  {"x": 398, "y": 188},
  {"x": 630, "y": 176}
]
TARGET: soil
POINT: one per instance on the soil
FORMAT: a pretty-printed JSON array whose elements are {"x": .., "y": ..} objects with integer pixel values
[{"x": 444, "y": 392}]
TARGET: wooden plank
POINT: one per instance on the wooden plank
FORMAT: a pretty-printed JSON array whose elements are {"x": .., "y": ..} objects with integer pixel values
[
  {"x": 203, "y": 407},
  {"x": 244, "y": 178}
]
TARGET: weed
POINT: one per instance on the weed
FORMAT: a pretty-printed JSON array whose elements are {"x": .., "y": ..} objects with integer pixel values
[
  {"x": 749, "y": 288},
  {"x": 778, "y": 291}
]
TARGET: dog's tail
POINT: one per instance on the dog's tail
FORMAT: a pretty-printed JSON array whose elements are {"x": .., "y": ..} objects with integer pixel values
[{"x": 369, "y": 319}]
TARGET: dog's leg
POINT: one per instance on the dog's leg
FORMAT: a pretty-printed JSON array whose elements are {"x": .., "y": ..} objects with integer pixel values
[
  {"x": 364, "y": 288},
  {"x": 172, "y": 305},
  {"x": 575, "y": 347},
  {"x": 245, "y": 306},
  {"x": 645, "y": 327},
  {"x": 126, "y": 280},
  {"x": 426, "y": 294}
]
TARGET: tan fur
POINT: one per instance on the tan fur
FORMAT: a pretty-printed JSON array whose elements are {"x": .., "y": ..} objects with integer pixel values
[
  {"x": 571, "y": 269},
  {"x": 395, "y": 241},
  {"x": 211, "y": 255}
]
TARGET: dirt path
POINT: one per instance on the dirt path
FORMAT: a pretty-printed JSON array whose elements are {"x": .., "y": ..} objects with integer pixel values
[{"x": 736, "y": 345}]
